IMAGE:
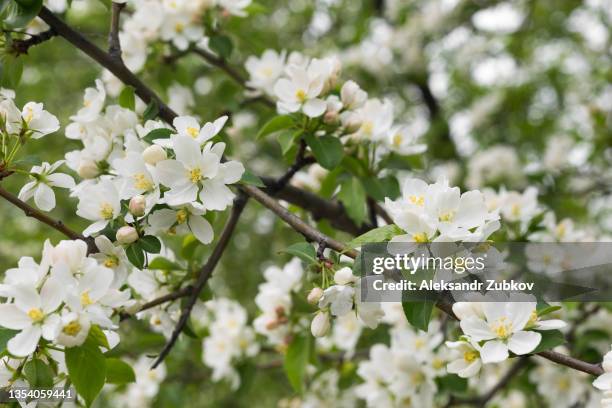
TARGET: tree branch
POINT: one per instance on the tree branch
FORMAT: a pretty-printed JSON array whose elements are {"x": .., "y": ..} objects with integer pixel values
[
  {"x": 116, "y": 67},
  {"x": 204, "y": 275},
  {"x": 114, "y": 45},
  {"x": 183, "y": 292},
  {"x": 20, "y": 47},
  {"x": 45, "y": 219}
]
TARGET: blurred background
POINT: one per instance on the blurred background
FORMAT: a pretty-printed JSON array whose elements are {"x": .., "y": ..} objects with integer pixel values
[{"x": 504, "y": 93}]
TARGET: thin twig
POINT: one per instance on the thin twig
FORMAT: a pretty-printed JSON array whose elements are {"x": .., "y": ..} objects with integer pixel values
[
  {"x": 204, "y": 275},
  {"x": 45, "y": 219},
  {"x": 181, "y": 293},
  {"x": 114, "y": 45},
  {"x": 21, "y": 47},
  {"x": 300, "y": 162}
]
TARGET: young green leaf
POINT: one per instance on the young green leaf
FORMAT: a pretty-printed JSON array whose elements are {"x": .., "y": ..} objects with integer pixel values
[
  {"x": 164, "y": 264},
  {"x": 252, "y": 179},
  {"x": 150, "y": 244},
  {"x": 550, "y": 339},
  {"x": 151, "y": 111},
  {"x": 274, "y": 125},
  {"x": 328, "y": 150},
  {"x": 38, "y": 374},
  {"x": 296, "y": 360},
  {"x": 304, "y": 251},
  {"x": 5, "y": 336},
  {"x": 135, "y": 255},
  {"x": 127, "y": 99},
  {"x": 119, "y": 372},
  {"x": 222, "y": 45},
  {"x": 161, "y": 133},
  {"x": 98, "y": 337},
  {"x": 353, "y": 197},
  {"x": 418, "y": 313},
  {"x": 87, "y": 369},
  {"x": 380, "y": 234}
]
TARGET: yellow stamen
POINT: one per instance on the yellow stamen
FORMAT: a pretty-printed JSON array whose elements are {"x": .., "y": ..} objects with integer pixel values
[
  {"x": 29, "y": 115},
  {"x": 420, "y": 238},
  {"x": 502, "y": 328},
  {"x": 111, "y": 261},
  {"x": 106, "y": 211},
  {"x": 85, "y": 299},
  {"x": 72, "y": 329},
  {"x": 397, "y": 139},
  {"x": 141, "y": 182},
  {"x": 300, "y": 95},
  {"x": 179, "y": 27},
  {"x": 195, "y": 175},
  {"x": 36, "y": 315},
  {"x": 417, "y": 200},
  {"x": 193, "y": 132},
  {"x": 181, "y": 216},
  {"x": 447, "y": 216},
  {"x": 470, "y": 356},
  {"x": 367, "y": 127}
]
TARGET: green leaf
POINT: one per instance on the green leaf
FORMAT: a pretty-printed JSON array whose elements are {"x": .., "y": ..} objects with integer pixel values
[
  {"x": 418, "y": 313},
  {"x": 135, "y": 255},
  {"x": 550, "y": 339},
  {"x": 353, "y": 197},
  {"x": 12, "y": 68},
  {"x": 381, "y": 188},
  {"x": 150, "y": 244},
  {"x": 548, "y": 309},
  {"x": 222, "y": 45},
  {"x": 453, "y": 383},
  {"x": 296, "y": 360},
  {"x": 119, "y": 372},
  {"x": 38, "y": 374},
  {"x": 98, "y": 337},
  {"x": 328, "y": 150},
  {"x": 5, "y": 336},
  {"x": 286, "y": 140},
  {"x": 127, "y": 99},
  {"x": 304, "y": 251},
  {"x": 19, "y": 13},
  {"x": 255, "y": 8},
  {"x": 252, "y": 179},
  {"x": 151, "y": 111},
  {"x": 274, "y": 125},
  {"x": 190, "y": 244},
  {"x": 380, "y": 234},
  {"x": 87, "y": 369},
  {"x": 161, "y": 133},
  {"x": 164, "y": 264}
]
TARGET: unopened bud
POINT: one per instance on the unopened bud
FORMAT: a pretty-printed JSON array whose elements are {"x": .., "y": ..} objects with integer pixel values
[
  {"x": 344, "y": 276},
  {"x": 331, "y": 117},
  {"x": 154, "y": 154},
  {"x": 314, "y": 295},
  {"x": 127, "y": 235},
  {"x": 88, "y": 169},
  {"x": 352, "y": 95},
  {"x": 320, "y": 324},
  {"x": 351, "y": 121},
  {"x": 137, "y": 206}
]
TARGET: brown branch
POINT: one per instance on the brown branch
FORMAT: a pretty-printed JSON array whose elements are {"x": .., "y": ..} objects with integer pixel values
[
  {"x": 571, "y": 362},
  {"x": 181, "y": 293},
  {"x": 232, "y": 72},
  {"x": 117, "y": 68},
  {"x": 204, "y": 275},
  {"x": 310, "y": 233},
  {"x": 45, "y": 219},
  {"x": 114, "y": 45},
  {"x": 300, "y": 162},
  {"x": 20, "y": 47}
]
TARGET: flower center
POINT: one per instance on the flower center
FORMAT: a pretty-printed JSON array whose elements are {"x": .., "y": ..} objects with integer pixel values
[
  {"x": 72, "y": 329},
  {"x": 181, "y": 216},
  {"x": 447, "y": 216},
  {"x": 533, "y": 318},
  {"x": 470, "y": 356},
  {"x": 397, "y": 140},
  {"x": 367, "y": 127},
  {"x": 515, "y": 210},
  {"x": 300, "y": 95},
  {"x": 36, "y": 314},
  {"x": 29, "y": 115},
  {"x": 85, "y": 299},
  {"x": 106, "y": 211},
  {"x": 502, "y": 328},
  {"x": 193, "y": 132},
  {"x": 141, "y": 182},
  {"x": 417, "y": 200},
  {"x": 195, "y": 175},
  {"x": 111, "y": 261},
  {"x": 420, "y": 238},
  {"x": 179, "y": 27}
]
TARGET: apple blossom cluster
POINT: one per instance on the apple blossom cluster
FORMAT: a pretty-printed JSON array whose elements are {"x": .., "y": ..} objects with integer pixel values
[
  {"x": 494, "y": 329},
  {"x": 59, "y": 299},
  {"x": 167, "y": 179},
  {"x": 310, "y": 86},
  {"x": 274, "y": 300},
  {"x": 229, "y": 339},
  {"x": 340, "y": 299},
  {"x": 144, "y": 389},
  {"x": 440, "y": 213}
]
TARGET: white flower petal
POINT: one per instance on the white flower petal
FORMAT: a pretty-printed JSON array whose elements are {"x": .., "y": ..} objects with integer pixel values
[
  {"x": 44, "y": 197},
  {"x": 13, "y": 318},
  {"x": 524, "y": 342},
  {"x": 201, "y": 228},
  {"x": 493, "y": 352},
  {"x": 24, "y": 343}
]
